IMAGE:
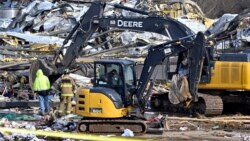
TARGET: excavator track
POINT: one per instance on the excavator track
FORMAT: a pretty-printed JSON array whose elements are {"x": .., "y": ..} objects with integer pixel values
[
  {"x": 208, "y": 105},
  {"x": 112, "y": 126}
]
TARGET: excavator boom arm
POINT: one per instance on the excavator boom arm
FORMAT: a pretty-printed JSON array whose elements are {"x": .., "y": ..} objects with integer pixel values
[
  {"x": 157, "y": 54},
  {"x": 156, "y": 24},
  {"x": 94, "y": 19}
]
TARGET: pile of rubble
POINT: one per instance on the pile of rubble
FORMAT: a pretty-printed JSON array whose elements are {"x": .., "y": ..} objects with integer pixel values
[
  {"x": 40, "y": 28},
  {"x": 31, "y": 126}
]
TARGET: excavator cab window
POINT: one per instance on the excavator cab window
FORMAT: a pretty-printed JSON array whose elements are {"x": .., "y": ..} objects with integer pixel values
[
  {"x": 130, "y": 79},
  {"x": 108, "y": 75},
  {"x": 119, "y": 76}
]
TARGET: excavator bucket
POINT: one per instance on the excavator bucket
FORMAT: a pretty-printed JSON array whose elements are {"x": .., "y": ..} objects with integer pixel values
[
  {"x": 184, "y": 90},
  {"x": 179, "y": 91}
]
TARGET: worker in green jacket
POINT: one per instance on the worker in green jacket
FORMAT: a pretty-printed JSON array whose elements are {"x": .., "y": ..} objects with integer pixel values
[{"x": 42, "y": 87}]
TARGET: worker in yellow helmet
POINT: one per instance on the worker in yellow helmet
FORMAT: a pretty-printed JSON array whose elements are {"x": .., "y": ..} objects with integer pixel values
[
  {"x": 67, "y": 94},
  {"x": 42, "y": 87}
]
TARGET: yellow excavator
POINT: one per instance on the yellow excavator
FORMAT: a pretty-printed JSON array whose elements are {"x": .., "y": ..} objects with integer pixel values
[
  {"x": 108, "y": 107},
  {"x": 116, "y": 100},
  {"x": 224, "y": 84}
]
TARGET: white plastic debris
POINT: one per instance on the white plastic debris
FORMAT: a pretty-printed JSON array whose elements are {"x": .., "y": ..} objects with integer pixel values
[
  {"x": 29, "y": 126},
  {"x": 243, "y": 35},
  {"x": 80, "y": 80},
  {"x": 227, "y": 137},
  {"x": 34, "y": 38},
  {"x": 246, "y": 138},
  {"x": 195, "y": 26},
  {"x": 52, "y": 22},
  {"x": 215, "y": 127},
  {"x": 48, "y": 129},
  {"x": 152, "y": 38},
  {"x": 45, "y": 5},
  {"x": 128, "y": 133},
  {"x": 81, "y": 13},
  {"x": 4, "y": 23},
  {"x": 69, "y": 116},
  {"x": 109, "y": 8},
  {"x": 139, "y": 50},
  {"x": 89, "y": 49},
  {"x": 30, "y": 7},
  {"x": 27, "y": 136},
  {"x": 132, "y": 4},
  {"x": 237, "y": 135},
  {"x": 14, "y": 125},
  {"x": 183, "y": 128},
  {"x": 128, "y": 38},
  {"x": 36, "y": 139},
  {"x": 3, "y": 121}
]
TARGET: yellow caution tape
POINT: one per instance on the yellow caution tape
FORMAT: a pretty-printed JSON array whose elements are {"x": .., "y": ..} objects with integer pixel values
[{"x": 68, "y": 135}]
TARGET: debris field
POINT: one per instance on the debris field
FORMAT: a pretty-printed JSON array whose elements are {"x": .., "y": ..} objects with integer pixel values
[{"x": 183, "y": 76}]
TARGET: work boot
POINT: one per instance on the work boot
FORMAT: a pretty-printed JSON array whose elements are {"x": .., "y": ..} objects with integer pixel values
[{"x": 41, "y": 113}]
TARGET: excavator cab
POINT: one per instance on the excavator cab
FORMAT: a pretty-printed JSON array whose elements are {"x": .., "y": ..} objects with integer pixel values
[
  {"x": 108, "y": 103},
  {"x": 111, "y": 95},
  {"x": 118, "y": 75}
]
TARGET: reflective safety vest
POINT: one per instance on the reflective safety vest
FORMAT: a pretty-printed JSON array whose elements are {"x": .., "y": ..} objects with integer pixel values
[{"x": 67, "y": 86}]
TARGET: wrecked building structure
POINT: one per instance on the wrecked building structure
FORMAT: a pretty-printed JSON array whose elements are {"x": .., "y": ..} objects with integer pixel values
[{"x": 92, "y": 38}]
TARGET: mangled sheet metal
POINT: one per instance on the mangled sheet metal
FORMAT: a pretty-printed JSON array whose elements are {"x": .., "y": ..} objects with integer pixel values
[
  {"x": 231, "y": 30},
  {"x": 193, "y": 24},
  {"x": 35, "y": 24},
  {"x": 33, "y": 38},
  {"x": 43, "y": 25},
  {"x": 8, "y": 11},
  {"x": 45, "y": 16},
  {"x": 38, "y": 28},
  {"x": 4, "y": 23},
  {"x": 220, "y": 25}
]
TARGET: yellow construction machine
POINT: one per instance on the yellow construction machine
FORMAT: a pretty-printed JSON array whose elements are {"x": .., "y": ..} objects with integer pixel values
[{"x": 116, "y": 100}]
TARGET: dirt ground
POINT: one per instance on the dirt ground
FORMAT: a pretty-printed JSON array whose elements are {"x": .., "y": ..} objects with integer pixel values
[
  {"x": 173, "y": 128},
  {"x": 221, "y": 128},
  {"x": 216, "y": 135}
]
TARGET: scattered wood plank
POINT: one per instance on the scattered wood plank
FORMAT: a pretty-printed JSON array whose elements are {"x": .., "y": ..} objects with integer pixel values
[{"x": 228, "y": 119}]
